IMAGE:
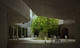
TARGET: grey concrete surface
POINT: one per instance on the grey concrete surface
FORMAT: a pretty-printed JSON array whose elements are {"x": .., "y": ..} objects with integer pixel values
[{"x": 19, "y": 44}]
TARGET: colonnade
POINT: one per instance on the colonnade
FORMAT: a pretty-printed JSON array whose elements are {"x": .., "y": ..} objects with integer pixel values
[{"x": 17, "y": 32}]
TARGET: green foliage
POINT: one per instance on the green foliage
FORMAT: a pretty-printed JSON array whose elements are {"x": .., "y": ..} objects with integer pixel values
[{"x": 44, "y": 24}]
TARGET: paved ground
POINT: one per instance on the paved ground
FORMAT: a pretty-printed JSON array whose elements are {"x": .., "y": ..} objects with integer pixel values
[
  {"x": 29, "y": 43},
  {"x": 30, "y": 40}
]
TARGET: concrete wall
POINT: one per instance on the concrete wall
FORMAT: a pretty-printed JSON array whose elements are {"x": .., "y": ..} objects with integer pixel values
[
  {"x": 77, "y": 13},
  {"x": 3, "y": 26},
  {"x": 11, "y": 12}
]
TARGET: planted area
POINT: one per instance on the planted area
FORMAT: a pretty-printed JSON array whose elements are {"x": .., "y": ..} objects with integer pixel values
[{"x": 43, "y": 26}]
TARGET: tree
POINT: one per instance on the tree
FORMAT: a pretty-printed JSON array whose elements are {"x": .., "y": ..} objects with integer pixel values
[{"x": 44, "y": 25}]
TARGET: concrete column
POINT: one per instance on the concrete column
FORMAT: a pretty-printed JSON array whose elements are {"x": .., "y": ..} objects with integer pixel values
[
  {"x": 21, "y": 32},
  {"x": 29, "y": 33},
  {"x": 13, "y": 31},
  {"x": 17, "y": 32},
  {"x": 24, "y": 32}
]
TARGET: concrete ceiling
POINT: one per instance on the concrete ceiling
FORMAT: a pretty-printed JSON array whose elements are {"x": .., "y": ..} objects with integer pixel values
[
  {"x": 17, "y": 11},
  {"x": 63, "y": 9},
  {"x": 17, "y": 5},
  {"x": 14, "y": 17}
]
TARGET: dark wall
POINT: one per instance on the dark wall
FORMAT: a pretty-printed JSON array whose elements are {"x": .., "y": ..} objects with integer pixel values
[{"x": 3, "y": 26}]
